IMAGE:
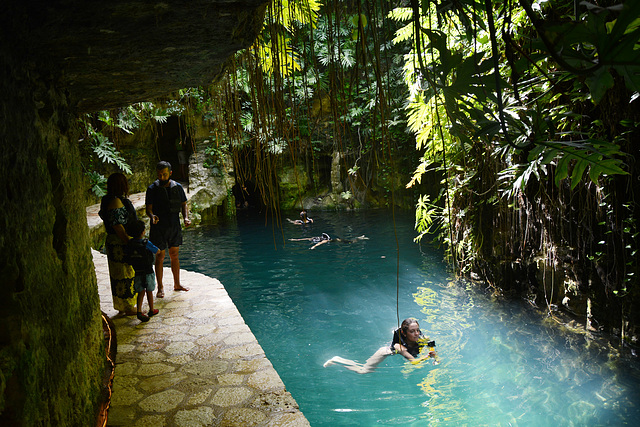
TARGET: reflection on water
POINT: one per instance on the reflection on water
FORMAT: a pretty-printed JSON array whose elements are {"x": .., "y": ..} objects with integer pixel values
[
  {"x": 505, "y": 365},
  {"x": 501, "y": 364}
]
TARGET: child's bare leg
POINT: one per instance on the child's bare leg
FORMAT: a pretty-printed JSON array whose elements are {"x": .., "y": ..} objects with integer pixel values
[
  {"x": 152, "y": 311},
  {"x": 141, "y": 317},
  {"x": 150, "y": 299},
  {"x": 140, "y": 299}
]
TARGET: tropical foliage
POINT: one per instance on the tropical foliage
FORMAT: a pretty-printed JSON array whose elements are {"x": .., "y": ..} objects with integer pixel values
[
  {"x": 97, "y": 128},
  {"x": 524, "y": 113},
  {"x": 321, "y": 82},
  {"x": 528, "y": 113}
]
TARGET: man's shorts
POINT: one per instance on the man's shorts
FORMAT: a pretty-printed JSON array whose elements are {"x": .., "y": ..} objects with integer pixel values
[
  {"x": 146, "y": 282},
  {"x": 165, "y": 238}
]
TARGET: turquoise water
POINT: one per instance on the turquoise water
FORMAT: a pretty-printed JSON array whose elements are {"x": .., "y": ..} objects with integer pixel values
[{"x": 501, "y": 364}]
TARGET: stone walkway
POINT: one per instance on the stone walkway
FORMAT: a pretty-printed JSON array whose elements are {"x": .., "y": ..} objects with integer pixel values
[{"x": 194, "y": 364}]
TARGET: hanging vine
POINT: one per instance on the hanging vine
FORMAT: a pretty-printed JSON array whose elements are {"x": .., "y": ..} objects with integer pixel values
[
  {"x": 524, "y": 112},
  {"x": 542, "y": 98}
]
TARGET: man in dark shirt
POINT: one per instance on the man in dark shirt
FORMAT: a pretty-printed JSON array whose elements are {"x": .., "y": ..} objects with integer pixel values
[{"x": 165, "y": 199}]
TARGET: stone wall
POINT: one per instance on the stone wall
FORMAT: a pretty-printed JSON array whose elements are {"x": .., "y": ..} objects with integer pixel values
[
  {"x": 51, "y": 352},
  {"x": 112, "y": 54},
  {"x": 210, "y": 189}
]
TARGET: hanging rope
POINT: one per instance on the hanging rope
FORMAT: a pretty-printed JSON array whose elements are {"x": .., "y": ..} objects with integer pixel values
[{"x": 273, "y": 114}]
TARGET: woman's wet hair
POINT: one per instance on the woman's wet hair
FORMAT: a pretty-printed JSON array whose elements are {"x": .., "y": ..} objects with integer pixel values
[
  {"x": 117, "y": 185},
  {"x": 408, "y": 322}
]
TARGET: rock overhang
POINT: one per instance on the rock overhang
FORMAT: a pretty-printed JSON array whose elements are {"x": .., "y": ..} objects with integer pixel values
[{"x": 110, "y": 54}]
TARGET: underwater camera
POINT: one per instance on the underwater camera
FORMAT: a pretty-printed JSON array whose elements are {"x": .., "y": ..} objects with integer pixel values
[{"x": 423, "y": 341}]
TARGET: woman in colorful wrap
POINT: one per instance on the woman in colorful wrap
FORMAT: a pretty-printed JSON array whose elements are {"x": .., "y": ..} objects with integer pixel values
[{"x": 117, "y": 211}]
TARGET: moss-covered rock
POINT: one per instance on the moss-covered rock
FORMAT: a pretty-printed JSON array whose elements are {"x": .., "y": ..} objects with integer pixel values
[
  {"x": 293, "y": 184},
  {"x": 51, "y": 347},
  {"x": 58, "y": 61}
]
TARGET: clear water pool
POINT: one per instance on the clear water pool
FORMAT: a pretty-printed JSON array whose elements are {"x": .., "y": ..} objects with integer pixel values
[{"x": 501, "y": 364}]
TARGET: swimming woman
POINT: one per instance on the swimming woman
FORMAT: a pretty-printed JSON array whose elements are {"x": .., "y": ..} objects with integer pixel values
[
  {"x": 304, "y": 219},
  {"x": 407, "y": 341},
  {"x": 325, "y": 238}
]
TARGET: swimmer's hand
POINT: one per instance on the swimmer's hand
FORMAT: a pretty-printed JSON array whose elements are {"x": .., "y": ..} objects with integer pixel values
[
  {"x": 431, "y": 355},
  {"x": 419, "y": 359}
]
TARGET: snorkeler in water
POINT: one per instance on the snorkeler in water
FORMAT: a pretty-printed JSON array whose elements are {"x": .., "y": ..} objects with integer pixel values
[
  {"x": 325, "y": 238},
  {"x": 304, "y": 219},
  {"x": 407, "y": 341}
]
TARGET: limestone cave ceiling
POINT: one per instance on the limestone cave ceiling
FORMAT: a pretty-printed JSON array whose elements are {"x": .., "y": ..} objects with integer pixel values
[{"x": 114, "y": 53}]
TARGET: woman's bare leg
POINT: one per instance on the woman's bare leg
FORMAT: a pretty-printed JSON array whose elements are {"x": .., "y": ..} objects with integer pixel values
[{"x": 369, "y": 366}]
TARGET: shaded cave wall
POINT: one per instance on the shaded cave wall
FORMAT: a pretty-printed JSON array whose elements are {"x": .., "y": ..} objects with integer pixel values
[
  {"x": 51, "y": 352},
  {"x": 288, "y": 182},
  {"x": 59, "y": 59}
]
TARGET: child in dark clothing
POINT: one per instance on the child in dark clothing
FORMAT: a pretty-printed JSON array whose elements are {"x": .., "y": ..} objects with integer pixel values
[{"x": 141, "y": 255}]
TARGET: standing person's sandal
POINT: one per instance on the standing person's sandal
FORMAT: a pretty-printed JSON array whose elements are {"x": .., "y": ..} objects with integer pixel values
[
  {"x": 142, "y": 317},
  {"x": 153, "y": 312}
]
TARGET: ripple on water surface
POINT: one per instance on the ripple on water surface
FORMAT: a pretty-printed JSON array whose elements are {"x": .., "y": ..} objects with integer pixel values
[{"x": 501, "y": 364}]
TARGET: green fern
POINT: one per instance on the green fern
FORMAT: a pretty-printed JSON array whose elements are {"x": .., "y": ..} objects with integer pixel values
[
  {"x": 427, "y": 216},
  {"x": 596, "y": 155},
  {"x": 98, "y": 183},
  {"x": 105, "y": 150}
]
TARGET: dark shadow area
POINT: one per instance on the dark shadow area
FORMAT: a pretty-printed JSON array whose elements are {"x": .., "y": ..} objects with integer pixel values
[
  {"x": 247, "y": 196},
  {"x": 175, "y": 146}
]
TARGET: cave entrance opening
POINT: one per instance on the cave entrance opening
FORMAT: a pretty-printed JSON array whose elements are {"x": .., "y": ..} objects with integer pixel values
[
  {"x": 176, "y": 146},
  {"x": 250, "y": 183},
  {"x": 247, "y": 196}
]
